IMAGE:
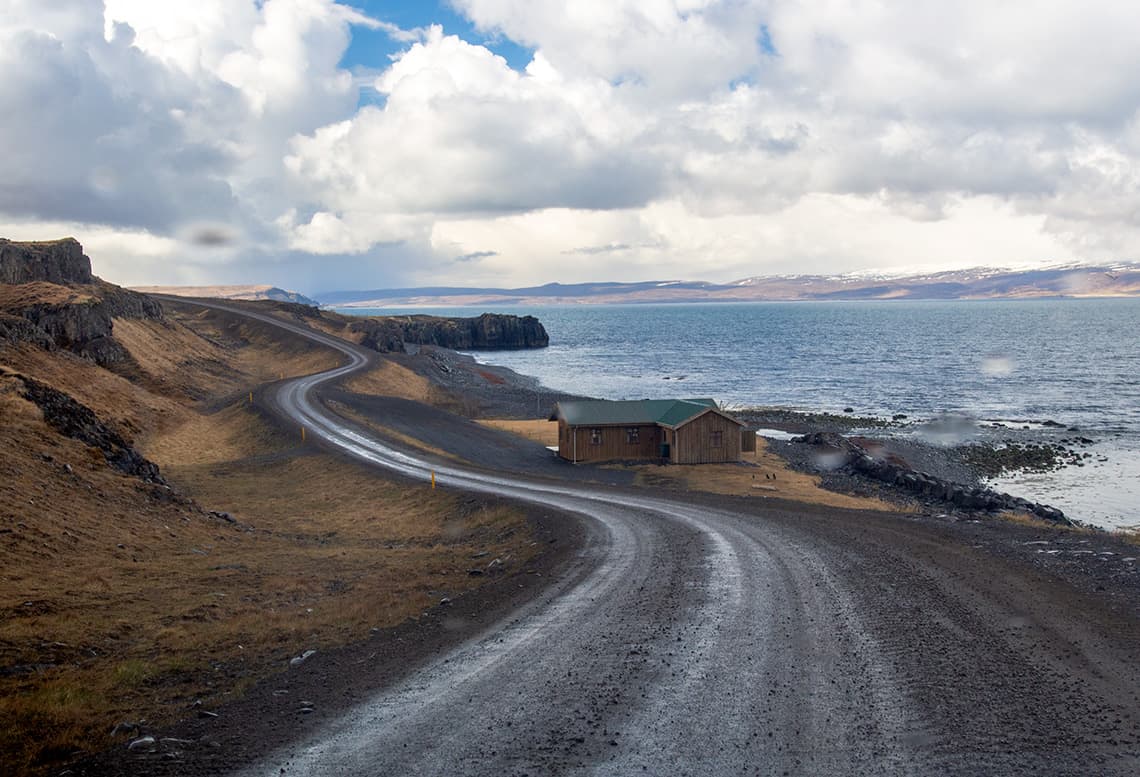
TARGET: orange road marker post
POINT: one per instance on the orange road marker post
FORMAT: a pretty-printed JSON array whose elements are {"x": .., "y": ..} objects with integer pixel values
[
  {"x": 251, "y": 397},
  {"x": 433, "y": 478}
]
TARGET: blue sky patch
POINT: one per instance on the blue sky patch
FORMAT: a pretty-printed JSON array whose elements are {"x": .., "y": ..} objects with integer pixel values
[
  {"x": 373, "y": 49},
  {"x": 765, "y": 41}
]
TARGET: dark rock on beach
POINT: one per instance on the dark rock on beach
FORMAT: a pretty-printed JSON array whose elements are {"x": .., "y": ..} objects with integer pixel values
[
  {"x": 1011, "y": 456},
  {"x": 801, "y": 422},
  {"x": 860, "y": 457}
]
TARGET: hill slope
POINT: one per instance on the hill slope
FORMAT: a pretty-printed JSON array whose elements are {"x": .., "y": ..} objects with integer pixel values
[{"x": 165, "y": 542}]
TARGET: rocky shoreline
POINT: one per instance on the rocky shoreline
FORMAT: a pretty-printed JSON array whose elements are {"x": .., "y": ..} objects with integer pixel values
[
  {"x": 944, "y": 463},
  {"x": 870, "y": 459},
  {"x": 860, "y": 455},
  {"x": 899, "y": 459}
]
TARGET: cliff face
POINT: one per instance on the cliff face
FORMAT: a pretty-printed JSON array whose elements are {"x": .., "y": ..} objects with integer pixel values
[
  {"x": 49, "y": 297},
  {"x": 490, "y": 331},
  {"x": 53, "y": 261}
]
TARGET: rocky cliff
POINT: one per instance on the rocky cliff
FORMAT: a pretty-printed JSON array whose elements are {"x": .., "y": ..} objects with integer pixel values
[
  {"x": 49, "y": 297},
  {"x": 54, "y": 261},
  {"x": 490, "y": 331}
]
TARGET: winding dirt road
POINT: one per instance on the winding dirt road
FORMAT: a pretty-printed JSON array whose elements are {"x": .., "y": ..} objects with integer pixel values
[{"x": 725, "y": 637}]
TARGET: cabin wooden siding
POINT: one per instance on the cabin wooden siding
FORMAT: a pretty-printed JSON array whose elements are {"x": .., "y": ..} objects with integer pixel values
[
  {"x": 693, "y": 441},
  {"x": 748, "y": 440},
  {"x": 614, "y": 443}
]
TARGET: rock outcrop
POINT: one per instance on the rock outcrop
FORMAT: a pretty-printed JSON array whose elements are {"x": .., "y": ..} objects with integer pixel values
[
  {"x": 490, "y": 331},
  {"x": 921, "y": 484},
  {"x": 49, "y": 297},
  {"x": 73, "y": 419},
  {"x": 54, "y": 261}
]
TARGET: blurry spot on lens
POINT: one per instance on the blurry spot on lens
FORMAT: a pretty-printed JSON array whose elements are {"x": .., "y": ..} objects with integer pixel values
[
  {"x": 997, "y": 366},
  {"x": 211, "y": 235}
]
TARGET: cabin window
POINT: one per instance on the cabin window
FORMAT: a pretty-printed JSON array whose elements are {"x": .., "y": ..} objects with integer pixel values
[
  {"x": 631, "y": 435},
  {"x": 716, "y": 439},
  {"x": 595, "y": 437}
]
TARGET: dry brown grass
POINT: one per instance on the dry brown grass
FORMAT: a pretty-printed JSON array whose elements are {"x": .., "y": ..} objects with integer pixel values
[
  {"x": 120, "y": 602},
  {"x": 131, "y": 605},
  {"x": 42, "y": 293},
  {"x": 177, "y": 360},
  {"x": 1131, "y": 536},
  {"x": 253, "y": 352},
  {"x": 1036, "y": 522},
  {"x": 126, "y": 406},
  {"x": 538, "y": 430},
  {"x": 1028, "y": 519},
  {"x": 230, "y": 434},
  {"x": 389, "y": 379},
  {"x": 761, "y": 475}
]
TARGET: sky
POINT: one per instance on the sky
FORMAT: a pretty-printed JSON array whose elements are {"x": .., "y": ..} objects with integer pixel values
[{"x": 317, "y": 145}]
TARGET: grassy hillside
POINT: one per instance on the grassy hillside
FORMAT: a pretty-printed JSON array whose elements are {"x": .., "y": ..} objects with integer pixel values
[{"x": 133, "y": 602}]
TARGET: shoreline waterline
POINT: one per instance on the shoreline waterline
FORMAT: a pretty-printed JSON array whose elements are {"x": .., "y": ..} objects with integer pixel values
[{"x": 1061, "y": 367}]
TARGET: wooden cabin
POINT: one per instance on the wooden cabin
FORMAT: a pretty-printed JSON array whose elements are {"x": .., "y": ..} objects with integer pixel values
[{"x": 678, "y": 431}]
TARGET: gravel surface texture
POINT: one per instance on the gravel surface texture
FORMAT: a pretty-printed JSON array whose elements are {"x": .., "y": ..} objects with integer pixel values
[{"x": 687, "y": 634}]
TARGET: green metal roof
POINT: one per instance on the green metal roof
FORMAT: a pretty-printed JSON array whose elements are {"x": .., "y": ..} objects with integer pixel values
[{"x": 631, "y": 412}]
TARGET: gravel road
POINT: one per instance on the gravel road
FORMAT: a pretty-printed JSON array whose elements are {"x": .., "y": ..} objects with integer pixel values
[{"x": 715, "y": 636}]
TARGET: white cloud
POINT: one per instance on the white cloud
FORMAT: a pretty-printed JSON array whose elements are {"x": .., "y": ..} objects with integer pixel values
[
  {"x": 93, "y": 132},
  {"x": 668, "y": 48},
  {"x": 461, "y": 132},
  {"x": 821, "y": 233},
  {"x": 660, "y": 138}
]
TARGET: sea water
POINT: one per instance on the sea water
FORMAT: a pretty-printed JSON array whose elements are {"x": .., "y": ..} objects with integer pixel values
[{"x": 1020, "y": 362}]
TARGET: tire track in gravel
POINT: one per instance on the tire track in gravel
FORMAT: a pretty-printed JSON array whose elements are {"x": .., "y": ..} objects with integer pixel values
[{"x": 704, "y": 640}]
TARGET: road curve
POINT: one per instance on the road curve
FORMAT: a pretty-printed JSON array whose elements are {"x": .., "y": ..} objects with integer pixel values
[{"x": 718, "y": 639}]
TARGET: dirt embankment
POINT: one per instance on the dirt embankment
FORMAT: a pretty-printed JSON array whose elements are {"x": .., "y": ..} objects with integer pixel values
[{"x": 167, "y": 545}]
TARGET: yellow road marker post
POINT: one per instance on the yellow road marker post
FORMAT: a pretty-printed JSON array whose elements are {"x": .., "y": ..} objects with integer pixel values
[
  {"x": 433, "y": 478},
  {"x": 302, "y": 434}
]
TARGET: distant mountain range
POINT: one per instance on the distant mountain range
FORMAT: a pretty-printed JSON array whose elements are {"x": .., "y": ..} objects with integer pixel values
[
  {"x": 1119, "y": 280},
  {"x": 229, "y": 292}
]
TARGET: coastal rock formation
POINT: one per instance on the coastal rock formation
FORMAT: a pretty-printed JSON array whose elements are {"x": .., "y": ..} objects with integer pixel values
[
  {"x": 489, "y": 331},
  {"x": 48, "y": 297},
  {"x": 54, "y": 261},
  {"x": 897, "y": 473}
]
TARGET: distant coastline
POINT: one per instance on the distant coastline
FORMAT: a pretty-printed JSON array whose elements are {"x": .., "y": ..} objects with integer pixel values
[{"x": 1062, "y": 282}]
